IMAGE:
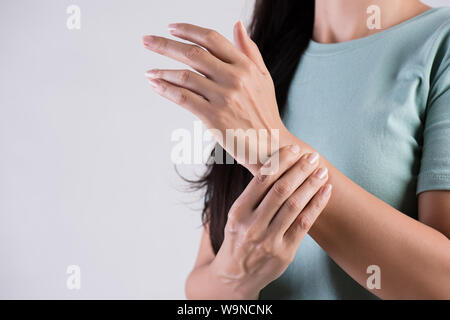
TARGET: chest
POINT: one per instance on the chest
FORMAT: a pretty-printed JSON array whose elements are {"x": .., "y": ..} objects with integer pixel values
[{"x": 366, "y": 119}]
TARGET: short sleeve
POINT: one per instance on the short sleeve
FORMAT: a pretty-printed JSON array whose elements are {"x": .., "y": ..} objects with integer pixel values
[{"x": 434, "y": 171}]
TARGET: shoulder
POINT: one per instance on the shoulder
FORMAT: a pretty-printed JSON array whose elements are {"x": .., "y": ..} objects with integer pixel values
[
  {"x": 438, "y": 18},
  {"x": 425, "y": 37},
  {"x": 438, "y": 45},
  {"x": 439, "y": 39}
]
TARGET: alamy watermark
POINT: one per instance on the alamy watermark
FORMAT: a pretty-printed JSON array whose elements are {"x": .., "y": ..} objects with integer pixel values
[
  {"x": 374, "y": 20},
  {"x": 73, "y": 281},
  {"x": 74, "y": 19},
  {"x": 374, "y": 280},
  {"x": 249, "y": 146}
]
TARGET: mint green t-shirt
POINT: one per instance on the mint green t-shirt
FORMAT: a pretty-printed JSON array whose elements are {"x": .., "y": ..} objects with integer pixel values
[{"x": 378, "y": 108}]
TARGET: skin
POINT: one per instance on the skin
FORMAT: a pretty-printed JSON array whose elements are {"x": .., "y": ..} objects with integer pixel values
[
  {"x": 264, "y": 228},
  {"x": 356, "y": 229}
]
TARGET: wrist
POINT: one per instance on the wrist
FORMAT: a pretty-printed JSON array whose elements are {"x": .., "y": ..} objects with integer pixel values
[
  {"x": 230, "y": 288},
  {"x": 282, "y": 138}
]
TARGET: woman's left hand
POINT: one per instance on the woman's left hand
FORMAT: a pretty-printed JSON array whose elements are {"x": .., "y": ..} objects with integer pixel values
[{"x": 232, "y": 90}]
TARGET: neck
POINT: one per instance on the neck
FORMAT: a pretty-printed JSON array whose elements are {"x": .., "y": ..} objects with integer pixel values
[{"x": 344, "y": 20}]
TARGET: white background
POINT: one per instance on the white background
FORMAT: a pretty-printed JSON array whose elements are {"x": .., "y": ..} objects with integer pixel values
[{"x": 85, "y": 170}]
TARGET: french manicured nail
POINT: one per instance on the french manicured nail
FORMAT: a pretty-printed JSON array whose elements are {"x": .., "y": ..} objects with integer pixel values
[
  {"x": 327, "y": 189},
  {"x": 322, "y": 173},
  {"x": 173, "y": 27},
  {"x": 312, "y": 157},
  {"x": 151, "y": 74},
  {"x": 295, "y": 149},
  {"x": 148, "y": 40}
]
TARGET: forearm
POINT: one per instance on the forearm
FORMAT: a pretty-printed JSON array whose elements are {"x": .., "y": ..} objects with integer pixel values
[
  {"x": 203, "y": 284},
  {"x": 358, "y": 230}
]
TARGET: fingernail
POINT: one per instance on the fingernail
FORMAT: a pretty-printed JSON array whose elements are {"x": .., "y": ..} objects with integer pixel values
[
  {"x": 295, "y": 149},
  {"x": 267, "y": 164},
  {"x": 154, "y": 83},
  {"x": 241, "y": 24},
  {"x": 172, "y": 27},
  {"x": 266, "y": 169},
  {"x": 312, "y": 157},
  {"x": 322, "y": 173},
  {"x": 151, "y": 74},
  {"x": 327, "y": 189},
  {"x": 148, "y": 40},
  {"x": 262, "y": 177}
]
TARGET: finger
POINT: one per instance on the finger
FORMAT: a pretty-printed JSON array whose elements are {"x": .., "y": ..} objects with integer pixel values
[
  {"x": 187, "y": 79},
  {"x": 303, "y": 222},
  {"x": 261, "y": 183},
  {"x": 294, "y": 205},
  {"x": 192, "y": 55},
  {"x": 181, "y": 96},
  {"x": 248, "y": 47},
  {"x": 213, "y": 41},
  {"x": 285, "y": 187}
]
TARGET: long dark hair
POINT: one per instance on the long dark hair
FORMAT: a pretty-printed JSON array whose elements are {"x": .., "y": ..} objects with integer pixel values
[{"x": 282, "y": 30}]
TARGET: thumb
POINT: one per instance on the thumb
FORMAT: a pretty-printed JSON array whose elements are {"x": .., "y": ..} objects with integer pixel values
[{"x": 248, "y": 47}]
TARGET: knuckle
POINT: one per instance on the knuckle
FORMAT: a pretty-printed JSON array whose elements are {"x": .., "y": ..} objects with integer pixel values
[
  {"x": 182, "y": 98},
  {"x": 266, "y": 248},
  {"x": 318, "y": 204},
  {"x": 237, "y": 80},
  {"x": 161, "y": 44},
  {"x": 305, "y": 222},
  {"x": 251, "y": 235},
  {"x": 281, "y": 189},
  {"x": 193, "y": 52},
  {"x": 293, "y": 204},
  {"x": 185, "y": 76},
  {"x": 211, "y": 36},
  {"x": 229, "y": 97},
  {"x": 250, "y": 68}
]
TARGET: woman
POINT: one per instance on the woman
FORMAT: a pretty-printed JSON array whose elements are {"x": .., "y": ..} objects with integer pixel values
[{"x": 366, "y": 109}]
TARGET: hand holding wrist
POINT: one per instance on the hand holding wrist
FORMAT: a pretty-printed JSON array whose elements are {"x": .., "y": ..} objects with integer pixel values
[{"x": 231, "y": 289}]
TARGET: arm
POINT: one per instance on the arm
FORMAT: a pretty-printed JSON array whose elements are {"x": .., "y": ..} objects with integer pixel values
[
  {"x": 263, "y": 231},
  {"x": 414, "y": 257},
  {"x": 203, "y": 283},
  {"x": 357, "y": 229},
  {"x": 200, "y": 282}
]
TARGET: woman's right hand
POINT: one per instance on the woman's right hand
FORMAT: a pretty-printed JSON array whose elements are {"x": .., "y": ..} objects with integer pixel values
[{"x": 267, "y": 223}]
